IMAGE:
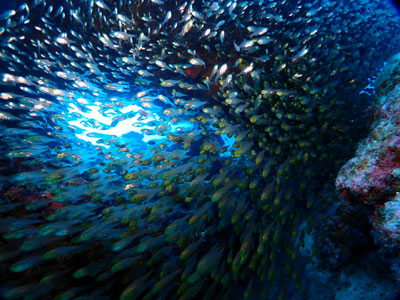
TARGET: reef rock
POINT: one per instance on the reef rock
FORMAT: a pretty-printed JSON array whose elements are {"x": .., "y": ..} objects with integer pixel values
[{"x": 372, "y": 178}]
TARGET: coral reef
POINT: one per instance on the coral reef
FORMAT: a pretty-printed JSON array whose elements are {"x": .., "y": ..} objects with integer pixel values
[{"x": 370, "y": 182}]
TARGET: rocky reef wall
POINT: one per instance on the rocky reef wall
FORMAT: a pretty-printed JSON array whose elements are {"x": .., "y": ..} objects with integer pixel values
[{"x": 368, "y": 219}]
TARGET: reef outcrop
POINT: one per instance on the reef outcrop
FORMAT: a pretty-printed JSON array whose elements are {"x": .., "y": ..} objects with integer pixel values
[{"x": 370, "y": 181}]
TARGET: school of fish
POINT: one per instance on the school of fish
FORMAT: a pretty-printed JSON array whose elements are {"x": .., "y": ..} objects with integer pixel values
[{"x": 173, "y": 149}]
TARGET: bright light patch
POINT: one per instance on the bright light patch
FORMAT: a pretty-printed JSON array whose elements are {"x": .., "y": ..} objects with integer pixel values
[
  {"x": 94, "y": 122},
  {"x": 107, "y": 118},
  {"x": 228, "y": 142}
]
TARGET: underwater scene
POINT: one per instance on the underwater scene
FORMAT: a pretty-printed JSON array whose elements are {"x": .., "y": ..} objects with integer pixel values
[{"x": 188, "y": 149}]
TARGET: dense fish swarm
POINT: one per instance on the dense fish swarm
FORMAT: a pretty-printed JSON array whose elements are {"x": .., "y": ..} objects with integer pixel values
[{"x": 165, "y": 149}]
